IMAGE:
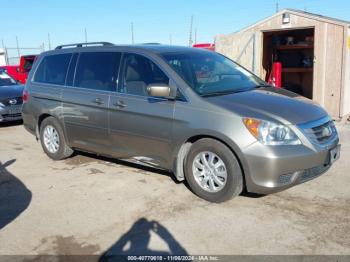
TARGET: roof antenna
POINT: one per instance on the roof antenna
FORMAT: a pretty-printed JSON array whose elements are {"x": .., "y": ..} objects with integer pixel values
[{"x": 277, "y": 7}]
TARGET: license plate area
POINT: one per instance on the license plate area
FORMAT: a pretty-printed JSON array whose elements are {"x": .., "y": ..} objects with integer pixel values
[
  {"x": 14, "y": 110},
  {"x": 334, "y": 154}
]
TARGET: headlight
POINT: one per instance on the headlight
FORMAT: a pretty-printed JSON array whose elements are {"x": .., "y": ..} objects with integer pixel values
[{"x": 270, "y": 133}]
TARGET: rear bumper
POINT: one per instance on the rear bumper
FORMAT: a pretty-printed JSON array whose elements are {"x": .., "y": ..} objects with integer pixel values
[
  {"x": 272, "y": 169},
  {"x": 10, "y": 113}
]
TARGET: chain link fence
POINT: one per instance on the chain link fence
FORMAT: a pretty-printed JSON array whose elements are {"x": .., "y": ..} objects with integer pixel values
[{"x": 12, "y": 54}]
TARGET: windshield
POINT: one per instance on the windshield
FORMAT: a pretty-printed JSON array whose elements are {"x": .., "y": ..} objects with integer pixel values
[
  {"x": 209, "y": 73},
  {"x": 6, "y": 80}
]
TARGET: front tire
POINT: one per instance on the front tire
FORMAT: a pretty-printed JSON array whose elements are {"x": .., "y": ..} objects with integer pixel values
[
  {"x": 52, "y": 139},
  {"x": 213, "y": 171}
]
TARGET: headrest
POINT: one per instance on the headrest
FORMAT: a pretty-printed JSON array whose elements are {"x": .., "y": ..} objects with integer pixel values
[
  {"x": 88, "y": 75},
  {"x": 132, "y": 74}
]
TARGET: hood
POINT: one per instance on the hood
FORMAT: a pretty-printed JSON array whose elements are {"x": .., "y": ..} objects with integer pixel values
[
  {"x": 279, "y": 104},
  {"x": 11, "y": 91}
]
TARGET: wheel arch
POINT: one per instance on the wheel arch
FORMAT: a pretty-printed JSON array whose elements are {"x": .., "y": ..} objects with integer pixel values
[
  {"x": 41, "y": 118},
  {"x": 183, "y": 150},
  {"x": 39, "y": 122}
]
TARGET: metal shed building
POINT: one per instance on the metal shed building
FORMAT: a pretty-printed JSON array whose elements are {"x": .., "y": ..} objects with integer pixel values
[{"x": 315, "y": 50}]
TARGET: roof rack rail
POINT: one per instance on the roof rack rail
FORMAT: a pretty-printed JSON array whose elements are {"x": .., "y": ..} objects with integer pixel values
[{"x": 85, "y": 44}]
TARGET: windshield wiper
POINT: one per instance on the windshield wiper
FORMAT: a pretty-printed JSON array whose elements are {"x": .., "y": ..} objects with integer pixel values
[
  {"x": 221, "y": 93},
  {"x": 263, "y": 85}
]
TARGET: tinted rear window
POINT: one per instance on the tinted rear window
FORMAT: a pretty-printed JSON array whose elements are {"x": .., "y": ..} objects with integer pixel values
[
  {"x": 53, "y": 69},
  {"x": 98, "y": 70}
]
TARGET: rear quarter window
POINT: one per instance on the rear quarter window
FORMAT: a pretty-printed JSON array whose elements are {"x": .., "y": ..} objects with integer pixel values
[{"x": 53, "y": 69}]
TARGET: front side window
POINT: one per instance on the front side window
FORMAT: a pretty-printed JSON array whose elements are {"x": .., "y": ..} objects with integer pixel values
[
  {"x": 209, "y": 73},
  {"x": 53, "y": 69},
  {"x": 138, "y": 73},
  {"x": 98, "y": 70}
]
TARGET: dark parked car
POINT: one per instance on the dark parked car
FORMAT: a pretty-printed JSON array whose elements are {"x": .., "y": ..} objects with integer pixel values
[
  {"x": 190, "y": 111},
  {"x": 10, "y": 98}
]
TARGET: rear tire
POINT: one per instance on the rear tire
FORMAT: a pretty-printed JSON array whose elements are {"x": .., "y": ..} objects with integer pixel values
[
  {"x": 52, "y": 139},
  {"x": 213, "y": 171}
]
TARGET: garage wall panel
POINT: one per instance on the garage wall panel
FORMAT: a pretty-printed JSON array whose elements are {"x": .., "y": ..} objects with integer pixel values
[
  {"x": 346, "y": 93},
  {"x": 334, "y": 67}
]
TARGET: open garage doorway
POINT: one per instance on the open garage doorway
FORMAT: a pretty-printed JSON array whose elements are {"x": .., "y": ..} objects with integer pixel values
[{"x": 294, "y": 49}]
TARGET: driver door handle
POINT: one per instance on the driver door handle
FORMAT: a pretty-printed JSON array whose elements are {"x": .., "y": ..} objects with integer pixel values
[{"x": 120, "y": 104}]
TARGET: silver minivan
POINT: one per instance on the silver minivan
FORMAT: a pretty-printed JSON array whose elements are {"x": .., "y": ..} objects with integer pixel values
[{"x": 192, "y": 112}]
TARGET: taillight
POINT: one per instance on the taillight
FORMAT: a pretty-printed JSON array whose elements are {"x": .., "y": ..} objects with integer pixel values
[{"x": 25, "y": 96}]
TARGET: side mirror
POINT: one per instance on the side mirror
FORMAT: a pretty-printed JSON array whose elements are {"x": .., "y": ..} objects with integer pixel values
[{"x": 159, "y": 90}]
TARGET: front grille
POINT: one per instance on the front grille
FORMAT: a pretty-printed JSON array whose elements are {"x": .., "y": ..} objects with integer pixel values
[
  {"x": 11, "y": 116},
  {"x": 313, "y": 172},
  {"x": 321, "y": 133},
  {"x": 6, "y": 101},
  {"x": 285, "y": 179}
]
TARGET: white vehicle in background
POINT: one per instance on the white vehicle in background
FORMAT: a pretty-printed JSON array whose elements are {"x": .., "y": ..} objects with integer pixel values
[{"x": 2, "y": 57}]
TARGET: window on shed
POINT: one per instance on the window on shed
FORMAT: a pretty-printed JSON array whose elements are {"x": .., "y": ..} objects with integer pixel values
[{"x": 53, "y": 69}]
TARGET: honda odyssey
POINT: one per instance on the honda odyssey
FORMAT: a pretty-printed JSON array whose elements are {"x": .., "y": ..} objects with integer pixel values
[{"x": 190, "y": 111}]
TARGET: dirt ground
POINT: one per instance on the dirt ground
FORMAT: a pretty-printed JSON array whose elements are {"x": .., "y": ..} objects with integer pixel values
[{"x": 92, "y": 205}]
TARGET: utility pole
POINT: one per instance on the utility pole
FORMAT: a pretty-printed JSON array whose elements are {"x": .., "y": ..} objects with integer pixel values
[
  {"x": 19, "y": 55},
  {"x": 85, "y": 35},
  {"x": 132, "y": 33},
  {"x": 190, "y": 41},
  {"x": 195, "y": 35},
  {"x": 49, "y": 40},
  {"x": 277, "y": 7},
  {"x": 5, "y": 50}
]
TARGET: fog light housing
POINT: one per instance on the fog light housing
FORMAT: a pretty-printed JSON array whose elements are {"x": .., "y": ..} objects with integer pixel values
[{"x": 286, "y": 179}]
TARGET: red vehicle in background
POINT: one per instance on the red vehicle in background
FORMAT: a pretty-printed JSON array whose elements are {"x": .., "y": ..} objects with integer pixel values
[
  {"x": 12, "y": 71},
  {"x": 208, "y": 46},
  {"x": 20, "y": 72}
]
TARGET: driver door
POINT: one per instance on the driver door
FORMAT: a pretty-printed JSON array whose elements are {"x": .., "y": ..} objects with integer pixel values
[{"x": 140, "y": 125}]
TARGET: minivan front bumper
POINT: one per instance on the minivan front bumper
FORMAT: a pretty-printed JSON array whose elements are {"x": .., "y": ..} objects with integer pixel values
[{"x": 270, "y": 169}]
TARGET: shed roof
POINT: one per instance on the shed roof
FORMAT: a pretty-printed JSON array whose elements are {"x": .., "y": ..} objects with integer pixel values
[{"x": 318, "y": 17}]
